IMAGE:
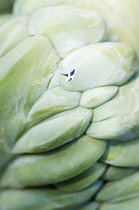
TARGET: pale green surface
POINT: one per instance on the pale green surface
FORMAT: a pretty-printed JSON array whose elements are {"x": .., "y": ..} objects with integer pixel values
[
  {"x": 52, "y": 102},
  {"x": 101, "y": 64},
  {"x": 4, "y": 18},
  {"x": 120, "y": 18},
  {"x": 118, "y": 119},
  {"x": 116, "y": 173},
  {"x": 32, "y": 89},
  {"x": 123, "y": 20},
  {"x": 83, "y": 180},
  {"x": 116, "y": 189},
  {"x": 12, "y": 32},
  {"x": 22, "y": 75},
  {"x": 90, "y": 206},
  {"x": 54, "y": 131},
  {"x": 97, "y": 96},
  {"x": 56, "y": 166},
  {"x": 42, "y": 199},
  {"x": 67, "y": 27},
  {"x": 122, "y": 154},
  {"x": 26, "y": 6},
  {"x": 132, "y": 204},
  {"x": 56, "y": 79},
  {"x": 125, "y": 197}
]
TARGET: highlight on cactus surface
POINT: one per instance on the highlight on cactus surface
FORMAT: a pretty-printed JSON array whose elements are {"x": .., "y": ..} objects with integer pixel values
[{"x": 69, "y": 105}]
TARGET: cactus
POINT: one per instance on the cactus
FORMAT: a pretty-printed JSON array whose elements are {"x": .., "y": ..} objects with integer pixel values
[{"x": 69, "y": 105}]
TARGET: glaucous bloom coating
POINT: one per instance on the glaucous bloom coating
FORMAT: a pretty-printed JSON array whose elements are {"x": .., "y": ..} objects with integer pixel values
[{"x": 63, "y": 142}]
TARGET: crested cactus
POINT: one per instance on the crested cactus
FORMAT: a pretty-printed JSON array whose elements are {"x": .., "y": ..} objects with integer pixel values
[{"x": 69, "y": 105}]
